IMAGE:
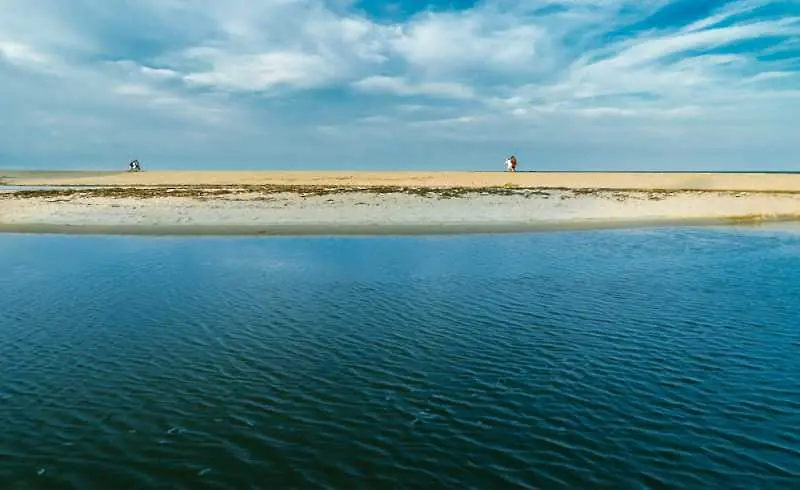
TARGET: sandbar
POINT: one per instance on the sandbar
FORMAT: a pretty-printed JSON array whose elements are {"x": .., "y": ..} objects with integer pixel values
[
  {"x": 333, "y": 208},
  {"x": 720, "y": 181}
]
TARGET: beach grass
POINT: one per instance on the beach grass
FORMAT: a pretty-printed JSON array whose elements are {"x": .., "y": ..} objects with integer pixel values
[{"x": 254, "y": 192}]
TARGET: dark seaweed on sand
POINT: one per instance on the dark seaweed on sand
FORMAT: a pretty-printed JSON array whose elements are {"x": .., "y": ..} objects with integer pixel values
[{"x": 265, "y": 192}]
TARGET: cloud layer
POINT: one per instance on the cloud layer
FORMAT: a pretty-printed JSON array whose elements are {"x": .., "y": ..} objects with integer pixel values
[{"x": 625, "y": 84}]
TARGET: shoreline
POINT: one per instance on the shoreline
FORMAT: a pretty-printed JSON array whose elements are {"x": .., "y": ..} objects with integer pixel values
[
  {"x": 326, "y": 229},
  {"x": 335, "y": 230},
  {"x": 345, "y": 210}
]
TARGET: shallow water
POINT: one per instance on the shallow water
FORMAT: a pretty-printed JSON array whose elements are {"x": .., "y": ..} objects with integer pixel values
[{"x": 614, "y": 359}]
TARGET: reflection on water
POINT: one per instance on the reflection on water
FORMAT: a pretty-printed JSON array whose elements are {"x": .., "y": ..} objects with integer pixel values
[{"x": 627, "y": 359}]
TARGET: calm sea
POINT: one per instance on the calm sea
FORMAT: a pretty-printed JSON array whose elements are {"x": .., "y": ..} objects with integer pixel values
[{"x": 635, "y": 359}]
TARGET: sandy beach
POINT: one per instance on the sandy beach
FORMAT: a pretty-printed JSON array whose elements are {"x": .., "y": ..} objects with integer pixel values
[
  {"x": 754, "y": 182},
  {"x": 273, "y": 203}
]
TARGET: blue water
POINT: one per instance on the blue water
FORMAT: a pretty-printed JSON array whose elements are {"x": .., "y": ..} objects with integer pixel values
[{"x": 615, "y": 359}]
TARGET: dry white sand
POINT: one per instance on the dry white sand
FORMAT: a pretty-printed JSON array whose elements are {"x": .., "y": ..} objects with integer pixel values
[{"x": 394, "y": 212}]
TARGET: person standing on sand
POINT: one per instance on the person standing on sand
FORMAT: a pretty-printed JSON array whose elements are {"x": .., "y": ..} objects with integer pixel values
[{"x": 511, "y": 164}]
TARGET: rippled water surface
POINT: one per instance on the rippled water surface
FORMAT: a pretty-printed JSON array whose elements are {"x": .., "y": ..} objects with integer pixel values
[{"x": 624, "y": 359}]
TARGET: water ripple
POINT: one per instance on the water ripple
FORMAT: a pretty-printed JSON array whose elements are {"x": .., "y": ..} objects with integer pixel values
[{"x": 645, "y": 359}]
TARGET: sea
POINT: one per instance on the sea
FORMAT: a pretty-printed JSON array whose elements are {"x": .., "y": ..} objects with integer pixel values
[{"x": 664, "y": 358}]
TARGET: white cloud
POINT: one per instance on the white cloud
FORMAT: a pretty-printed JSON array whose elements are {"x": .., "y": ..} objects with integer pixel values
[
  {"x": 402, "y": 87},
  {"x": 647, "y": 66},
  {"x": 262, "y": 71},
  {"x": 653, "y": 49},
  {"x": 21, "y": 54},
  {"x": 605, "y": 112},
  {"x": 286, "y": 44},
  {"x": 725, "y": 13},
  {"x": 470, "y": 41},
  {"x": 133, "y": 90},
  {"x": 159, "y": 73},
  {"x": 212, "y": 79},
  {"x": 771, "y": 75}
]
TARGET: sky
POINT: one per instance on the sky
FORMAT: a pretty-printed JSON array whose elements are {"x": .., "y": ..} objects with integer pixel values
[{"x": 409, "y": 84}]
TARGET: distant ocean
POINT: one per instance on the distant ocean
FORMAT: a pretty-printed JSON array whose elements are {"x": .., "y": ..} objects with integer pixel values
[{"x": 633, "y": 359}]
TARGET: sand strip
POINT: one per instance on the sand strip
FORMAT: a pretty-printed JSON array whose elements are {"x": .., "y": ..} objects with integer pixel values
[
  {"x": 244, "y": 211},
  {"x": 751, "y": 182}
]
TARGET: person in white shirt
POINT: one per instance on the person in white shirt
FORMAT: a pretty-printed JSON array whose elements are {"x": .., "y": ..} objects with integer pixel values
[{"x": 511, "y": 164}]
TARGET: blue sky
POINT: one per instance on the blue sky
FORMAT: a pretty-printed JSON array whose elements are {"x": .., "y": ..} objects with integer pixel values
[{"x": 569, "y": 84}]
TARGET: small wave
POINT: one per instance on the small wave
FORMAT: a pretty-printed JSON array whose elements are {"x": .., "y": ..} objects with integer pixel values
[{"x": 581, "y": 361}]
